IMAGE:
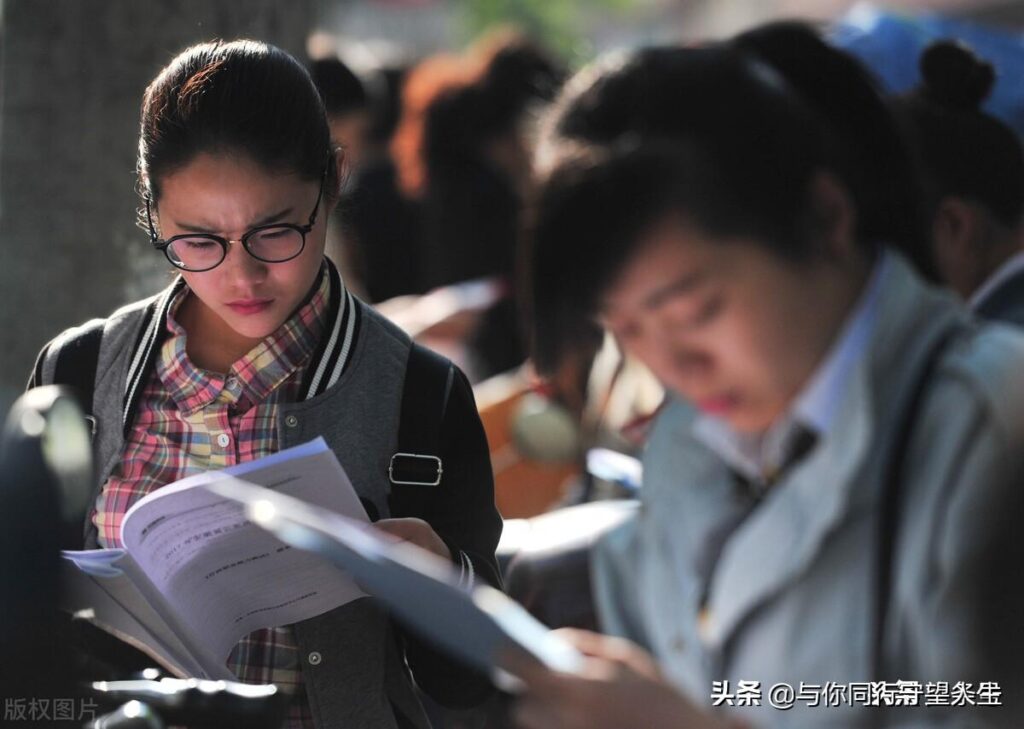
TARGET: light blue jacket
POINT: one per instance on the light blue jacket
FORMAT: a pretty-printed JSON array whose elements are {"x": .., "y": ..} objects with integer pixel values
[{"x": 792, "y": 595}]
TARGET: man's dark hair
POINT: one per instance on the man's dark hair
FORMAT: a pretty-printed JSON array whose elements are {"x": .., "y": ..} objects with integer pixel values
[{"x": 719, "y": 136}]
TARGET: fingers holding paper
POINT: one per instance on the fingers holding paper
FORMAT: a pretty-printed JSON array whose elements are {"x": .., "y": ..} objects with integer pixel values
[
  {"x": 415, "y": 531},
  {"x": 619, "y": 684}
]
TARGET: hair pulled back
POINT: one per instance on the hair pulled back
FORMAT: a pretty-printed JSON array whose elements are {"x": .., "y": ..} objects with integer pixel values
[
  {"x": 964, "y": 151},
  {"x": 244, "y": 97}
]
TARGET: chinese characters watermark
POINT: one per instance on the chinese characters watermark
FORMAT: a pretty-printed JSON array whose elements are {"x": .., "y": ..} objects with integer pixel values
[
  {"x": 785, "y": 696},
  {"x": 34, "y": 709}
]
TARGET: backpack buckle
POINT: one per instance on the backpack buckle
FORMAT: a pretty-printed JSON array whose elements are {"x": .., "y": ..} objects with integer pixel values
[{"x": 414, "y": 469}]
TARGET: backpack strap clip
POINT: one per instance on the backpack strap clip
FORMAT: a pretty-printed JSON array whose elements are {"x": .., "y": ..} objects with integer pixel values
[
  {"x": 414, "y": 469},
  {"x": 428, "y": 382}
]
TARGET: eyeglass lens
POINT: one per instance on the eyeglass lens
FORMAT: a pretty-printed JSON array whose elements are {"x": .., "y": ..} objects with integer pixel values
[{"x": 199, "y": 252}]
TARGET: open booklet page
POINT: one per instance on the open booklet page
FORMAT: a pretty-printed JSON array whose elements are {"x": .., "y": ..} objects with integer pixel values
[
  {"x": 204, "y": 576},
  {"x": 104, "y": 584},
  {"x": 478, "y": 623}
]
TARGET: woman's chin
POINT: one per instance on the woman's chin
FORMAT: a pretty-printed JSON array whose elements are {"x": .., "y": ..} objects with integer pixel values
[{"x": 258, "y": 326}]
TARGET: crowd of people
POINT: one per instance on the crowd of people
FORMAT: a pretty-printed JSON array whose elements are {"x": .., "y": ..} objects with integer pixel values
[{"x": 825, "y": 281}]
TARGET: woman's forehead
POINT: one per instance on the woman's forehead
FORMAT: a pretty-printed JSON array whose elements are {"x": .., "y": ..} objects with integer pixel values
[{"x": 226, "y": 191}]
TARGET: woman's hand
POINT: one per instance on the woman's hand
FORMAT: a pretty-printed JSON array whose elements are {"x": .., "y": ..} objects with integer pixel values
[
  {"x": 619, "y": 688},
  {"x": 417, "y": 532}
]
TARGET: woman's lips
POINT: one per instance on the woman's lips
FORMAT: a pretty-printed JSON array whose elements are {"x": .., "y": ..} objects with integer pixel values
[{"x": 249, "y": 306}]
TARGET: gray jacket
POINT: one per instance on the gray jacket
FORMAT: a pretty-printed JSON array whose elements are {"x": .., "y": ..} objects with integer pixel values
[
  {"x": 791, "y": 597},
  {"x": 353, "y": 664}
]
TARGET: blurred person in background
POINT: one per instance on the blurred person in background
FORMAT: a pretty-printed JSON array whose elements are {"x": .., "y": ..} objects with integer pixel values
[
  {"x": 476, "y": 160},
  {"x": 463, "y": 159},
  {"x": 345, "y": 102},
  {"x": 477, "y": 169},
  {"x": 378, "y": 224},
  {"x": 974, "y": 180},
  {"x": 821, "y": 489}
]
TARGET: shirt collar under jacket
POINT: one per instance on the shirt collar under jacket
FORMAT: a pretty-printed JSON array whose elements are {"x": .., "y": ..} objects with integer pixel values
[
  {"x": 1011, "y": 267},
  {"x": 758, "y": 457},
  {"x": 255, "y": 375},
  {"x": 329, "y": 361}
]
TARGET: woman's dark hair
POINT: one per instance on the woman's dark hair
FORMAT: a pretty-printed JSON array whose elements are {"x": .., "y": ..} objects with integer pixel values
[
  {"x": 243, "y": 97},
  {"x": 964, "y": 151},
  {"x": 716, "y": 135}
]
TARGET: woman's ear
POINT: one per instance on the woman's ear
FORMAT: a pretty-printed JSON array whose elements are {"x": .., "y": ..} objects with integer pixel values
[
  {"x": 832, "y": 219},
  {"x": 335, "y": 194}
]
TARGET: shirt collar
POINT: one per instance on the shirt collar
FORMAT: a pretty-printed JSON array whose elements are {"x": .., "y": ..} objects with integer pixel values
[
  {"x": 757, "y": 456},
  {"x": 257, "y": 373},
  {"x": 1011, "y": 267}
]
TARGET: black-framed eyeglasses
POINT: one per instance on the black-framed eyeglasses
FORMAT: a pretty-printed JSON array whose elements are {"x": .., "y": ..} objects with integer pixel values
[{"x": 272, "y": 243}]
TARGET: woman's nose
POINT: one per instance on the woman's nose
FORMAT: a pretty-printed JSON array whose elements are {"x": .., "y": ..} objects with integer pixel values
[{"x": 242, "y": 264}]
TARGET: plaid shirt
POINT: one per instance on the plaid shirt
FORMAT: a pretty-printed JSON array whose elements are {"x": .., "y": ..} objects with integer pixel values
[{"x": 190, "y": 420}]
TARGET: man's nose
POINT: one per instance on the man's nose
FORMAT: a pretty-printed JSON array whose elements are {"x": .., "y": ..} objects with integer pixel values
[{"x": 685, "y": 361}]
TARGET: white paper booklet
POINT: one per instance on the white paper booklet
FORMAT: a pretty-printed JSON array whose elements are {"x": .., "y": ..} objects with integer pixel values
[
  {"x": 195, "y": 575},
  {"x": 477, "y": 623}
]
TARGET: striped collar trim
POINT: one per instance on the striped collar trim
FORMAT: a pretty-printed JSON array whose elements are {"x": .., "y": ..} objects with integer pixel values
[
  {"x": 330, "y": 360},
  {"x": 334, "y": 353},
  {"x": 153, "y": 330}
]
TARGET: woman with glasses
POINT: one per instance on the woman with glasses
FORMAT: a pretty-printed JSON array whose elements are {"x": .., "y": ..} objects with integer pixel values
[
  {"x": 257, "y": 346},
  {"x": 823, "y": 486}
]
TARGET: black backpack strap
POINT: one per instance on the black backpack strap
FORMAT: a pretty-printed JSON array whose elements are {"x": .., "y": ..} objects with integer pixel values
[
  {"x": 77, "y": 360},
  {"x": 890, "y": 498},
  {"x": 428, "y": 382}
]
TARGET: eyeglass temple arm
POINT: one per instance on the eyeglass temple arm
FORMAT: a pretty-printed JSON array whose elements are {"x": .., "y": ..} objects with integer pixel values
[
  {"x": 319, "y": 195},
  {"x": 153, "y": 237}
]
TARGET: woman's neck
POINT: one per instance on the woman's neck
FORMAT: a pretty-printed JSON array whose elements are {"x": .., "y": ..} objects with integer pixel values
[{"x": 210, "y": 343}]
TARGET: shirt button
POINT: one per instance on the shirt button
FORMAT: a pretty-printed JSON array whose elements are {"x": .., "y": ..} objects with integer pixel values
[
  {"x": 223, "y": 440},
  {"x": 291, "y": 421},
  {"x": 314, "y": 658}
]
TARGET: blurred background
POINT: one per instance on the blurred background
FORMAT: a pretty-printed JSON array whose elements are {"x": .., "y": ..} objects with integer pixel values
[{"x": 72, "y": 73}]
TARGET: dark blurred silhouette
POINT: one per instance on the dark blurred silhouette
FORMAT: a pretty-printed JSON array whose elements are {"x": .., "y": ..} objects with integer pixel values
[{"x": 974, "y": 180}]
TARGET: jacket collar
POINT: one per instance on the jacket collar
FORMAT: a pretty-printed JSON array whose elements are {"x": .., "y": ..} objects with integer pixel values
[
  {"x": 1010, "y": 274},
  {"x": 330, "y": 359}
]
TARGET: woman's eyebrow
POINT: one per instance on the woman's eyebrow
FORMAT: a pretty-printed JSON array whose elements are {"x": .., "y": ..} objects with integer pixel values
[
  {"x": 273, "y": 218},
  {"x": 265, "y": 220}
]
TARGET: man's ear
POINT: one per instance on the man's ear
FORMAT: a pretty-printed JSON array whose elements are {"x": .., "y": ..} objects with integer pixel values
[
  {"x": 832, "y": 218},
  {"x": 958, "y": 228}
]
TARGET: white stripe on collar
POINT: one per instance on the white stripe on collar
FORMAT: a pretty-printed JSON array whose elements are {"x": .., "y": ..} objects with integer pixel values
[
  {"x": 343, "y": 308},
  {"x": 344, "y": 319},
  {"x": 350, "y": 304},
  {"x": 142, "y": 354}
]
